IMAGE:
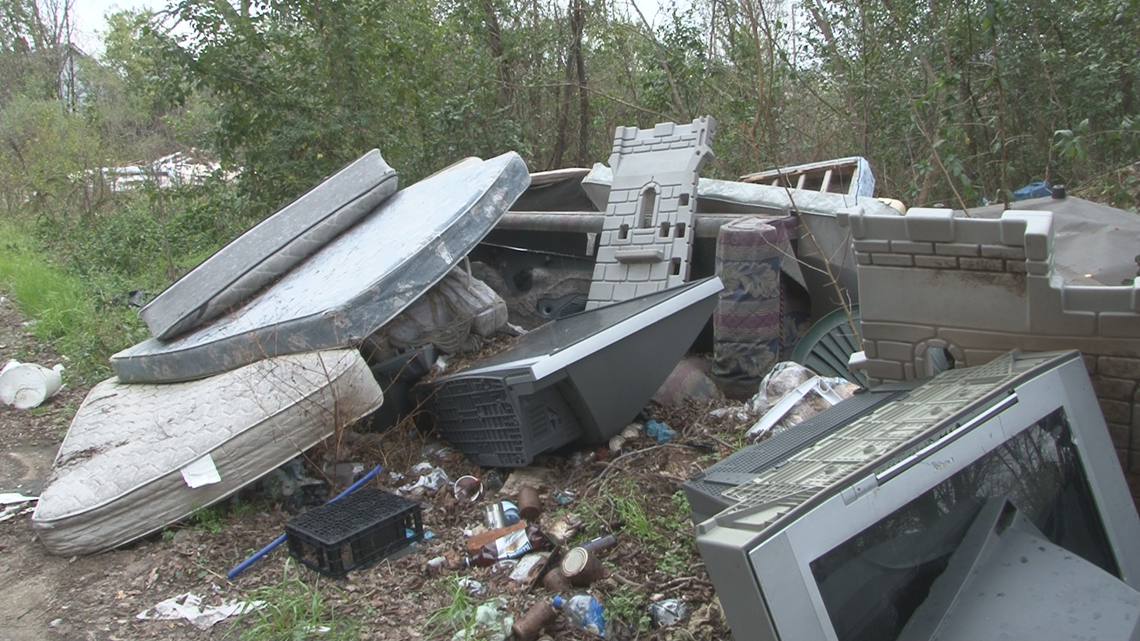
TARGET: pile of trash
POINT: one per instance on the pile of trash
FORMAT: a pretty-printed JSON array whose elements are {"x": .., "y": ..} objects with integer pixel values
[{"x": 355, "y": 313}]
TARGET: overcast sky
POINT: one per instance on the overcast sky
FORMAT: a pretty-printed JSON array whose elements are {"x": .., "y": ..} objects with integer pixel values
[{"x": 89, "y": 25}]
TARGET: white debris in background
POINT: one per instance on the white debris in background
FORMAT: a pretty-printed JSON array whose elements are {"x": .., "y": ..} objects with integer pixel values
[
  {"x": 8, "y": 498},
  {"x": 440, "y": 365},
  {"x": 472, "y": 587},
  {"x": 491, "y": 622},
  {"x": 188, "y": 606}
]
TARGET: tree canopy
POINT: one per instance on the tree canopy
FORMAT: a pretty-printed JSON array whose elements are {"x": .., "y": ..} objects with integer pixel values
[{"x": 952, "y": 101}]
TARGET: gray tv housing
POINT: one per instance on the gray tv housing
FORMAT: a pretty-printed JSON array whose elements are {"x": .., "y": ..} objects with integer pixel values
[
  {"x": 987, "y": 502},
  {"x": 585, "y": 376}
]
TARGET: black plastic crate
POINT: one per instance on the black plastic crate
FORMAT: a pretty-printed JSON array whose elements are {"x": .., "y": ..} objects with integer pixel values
[
  {"x": 354, "y": 532},
  {"x": 497, "y": 425}
]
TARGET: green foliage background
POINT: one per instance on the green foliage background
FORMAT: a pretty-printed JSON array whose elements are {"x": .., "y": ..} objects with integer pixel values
[{"x": 952, "y": 101}]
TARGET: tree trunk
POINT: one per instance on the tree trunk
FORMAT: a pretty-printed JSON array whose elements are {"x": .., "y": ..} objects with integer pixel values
[
  {"x": 577, "y": 23},
  {"x": 495, "y": 40}
]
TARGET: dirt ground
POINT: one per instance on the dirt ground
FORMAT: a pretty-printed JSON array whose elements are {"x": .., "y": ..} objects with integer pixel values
[{"x": 99, "y": 596}]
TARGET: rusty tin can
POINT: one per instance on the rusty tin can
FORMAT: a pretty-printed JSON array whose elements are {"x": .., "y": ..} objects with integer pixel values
[
  {"x": 556, "y": 582},
  {"x": 527, "y": 627},
  {"x": 582, "y": 567},
  {"x": 530, "y": 505}
]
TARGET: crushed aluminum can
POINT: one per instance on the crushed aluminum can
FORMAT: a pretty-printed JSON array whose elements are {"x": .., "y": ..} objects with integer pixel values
[
  {"x": 510, "y": 512},
  {"x": 529, "y": 567},
  {"x": 494, "y": 516},
  {"x": 564, "y": 527},
  {"x": 668, "y": 612}
]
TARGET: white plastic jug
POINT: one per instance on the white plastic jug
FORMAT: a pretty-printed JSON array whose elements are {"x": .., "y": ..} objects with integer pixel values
[{"x": 27, "y": 385}]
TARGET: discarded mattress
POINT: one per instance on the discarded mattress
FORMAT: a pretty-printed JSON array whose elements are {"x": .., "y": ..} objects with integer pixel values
[
  {"x": 353, "y": 285},
  {"x": 251, "y": 261},
  {"x": 139, "y": 457},
  {"x": 748, "y": 318},
  {"x": 583, "y": 376}
]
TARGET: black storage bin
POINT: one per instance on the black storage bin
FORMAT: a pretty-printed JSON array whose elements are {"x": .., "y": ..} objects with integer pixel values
[{"x": 354, "y": 532}]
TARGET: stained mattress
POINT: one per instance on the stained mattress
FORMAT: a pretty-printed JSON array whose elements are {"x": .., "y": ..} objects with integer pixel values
[
  {"x": 125, "y": 468},
  {"x": 353, "y": 285},
  {"x": 237, "y": 271}
]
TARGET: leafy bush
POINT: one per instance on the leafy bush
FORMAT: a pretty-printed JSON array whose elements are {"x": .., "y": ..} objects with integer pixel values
[
  {"x": 153, "y": 238},
  {"x": 63, "y": 308}
]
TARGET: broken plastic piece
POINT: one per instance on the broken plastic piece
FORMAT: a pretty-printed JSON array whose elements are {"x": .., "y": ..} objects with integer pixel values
[
  {"x": 27, "y": 385},
  {"x": 818, "y": 384}
]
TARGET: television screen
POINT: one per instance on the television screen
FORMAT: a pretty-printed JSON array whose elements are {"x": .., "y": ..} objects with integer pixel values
[{"x": 986, "y": 502}]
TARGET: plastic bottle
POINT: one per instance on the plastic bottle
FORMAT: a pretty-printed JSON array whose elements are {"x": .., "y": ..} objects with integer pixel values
[{"x": 583, "y": 612}]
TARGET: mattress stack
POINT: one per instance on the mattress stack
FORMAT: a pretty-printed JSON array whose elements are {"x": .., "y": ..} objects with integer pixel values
[{"x": 254, "y": 357}]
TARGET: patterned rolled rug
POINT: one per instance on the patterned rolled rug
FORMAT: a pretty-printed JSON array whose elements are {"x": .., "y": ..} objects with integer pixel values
[{"x": 748, "y": 322}]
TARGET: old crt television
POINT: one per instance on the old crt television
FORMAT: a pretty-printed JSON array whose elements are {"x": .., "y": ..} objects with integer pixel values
[{"x": 986, "y": 503}]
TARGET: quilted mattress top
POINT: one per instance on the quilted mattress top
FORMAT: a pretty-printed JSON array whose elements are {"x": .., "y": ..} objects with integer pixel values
[{"x": 125, "y": 436}]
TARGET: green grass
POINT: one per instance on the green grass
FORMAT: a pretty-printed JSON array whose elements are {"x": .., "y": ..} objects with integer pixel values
[
  {"x": 680, "y": 555},
  {"x": 629, "y": 605},
  {"x": 466, "y": 618},
  {"x": 293, "y": 610},
  {"x": 668, "y": 535},
  {"x": 634, "y": 520},
  {"x": 62, "y": 308},
  {"x": 209, "y": 519},
  {"x": 457, "y": 616},
  {"x": 70, "y": 272}
]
